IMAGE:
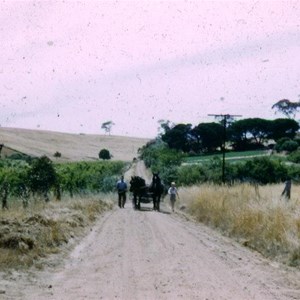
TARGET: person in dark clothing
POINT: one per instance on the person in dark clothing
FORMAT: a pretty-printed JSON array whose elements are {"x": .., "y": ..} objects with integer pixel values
[
  {"x": 287, "y": 189},
  {"x": 122, "y": 189}
]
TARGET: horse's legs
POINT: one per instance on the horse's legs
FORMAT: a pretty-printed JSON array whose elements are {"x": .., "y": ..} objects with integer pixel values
[
  {"x": 135, "y": 200},
  {"x": 158, "y": 202}
]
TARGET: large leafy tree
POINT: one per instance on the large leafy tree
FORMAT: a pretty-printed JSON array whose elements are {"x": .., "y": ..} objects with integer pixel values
[
  {"x": 281, "y": 128},
  {"x": 209, "y": 136},
  {"x": 249, "y": 133},
  {"x": 178, "y": 137}
]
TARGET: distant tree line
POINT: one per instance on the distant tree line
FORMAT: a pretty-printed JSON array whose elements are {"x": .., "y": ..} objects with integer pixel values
[{"x": 245, "y": 134}]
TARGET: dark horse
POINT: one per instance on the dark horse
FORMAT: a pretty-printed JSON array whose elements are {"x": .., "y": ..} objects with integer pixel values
[
  {"x": 156, "y": 189},
  {"x": 140, "y": 191}
]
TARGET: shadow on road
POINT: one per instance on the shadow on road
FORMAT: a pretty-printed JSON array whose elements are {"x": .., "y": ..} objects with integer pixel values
[{"x": 150, "y": 209}]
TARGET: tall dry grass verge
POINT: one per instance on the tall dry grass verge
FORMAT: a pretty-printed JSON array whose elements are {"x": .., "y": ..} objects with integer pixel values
[
  {"x": 28, "y": 235},
  {"x": 255, "y": 216}
]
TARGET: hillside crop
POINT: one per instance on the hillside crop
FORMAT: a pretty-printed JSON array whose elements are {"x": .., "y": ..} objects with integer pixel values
[{"x": 23, "y": 180}]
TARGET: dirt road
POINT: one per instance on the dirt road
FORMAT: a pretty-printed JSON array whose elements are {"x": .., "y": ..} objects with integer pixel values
[{"x": 145, "y": 254}]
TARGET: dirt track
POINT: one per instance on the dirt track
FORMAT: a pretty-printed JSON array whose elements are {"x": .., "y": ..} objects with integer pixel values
[{"x": 144, "y": 254}]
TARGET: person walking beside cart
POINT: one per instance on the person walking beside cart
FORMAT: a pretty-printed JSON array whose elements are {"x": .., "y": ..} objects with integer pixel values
[
  {"x": 173, "y": 195},
  {"x": 122, "y": 189}
]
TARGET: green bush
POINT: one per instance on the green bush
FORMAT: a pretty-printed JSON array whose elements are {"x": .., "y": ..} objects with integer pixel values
[
  {"x": 289, "y": 146},
  {"x": 262, "y": 170},
  {"x": 160, "y": 158},
  {"x": 57, "y": 154},
  {"x": 19, "y": 156},
  {"x": 86, "y": 177},
  {"x": 286, "y": 144},
  {"x": 169, "y": 174},
  {"x": 42, "y": 176},
  {"x": 108, "y": 184},
  {"x": 104, "y": 154},
  {"x": 294, "y": 157},
  {"x": 189, "y": 175}
]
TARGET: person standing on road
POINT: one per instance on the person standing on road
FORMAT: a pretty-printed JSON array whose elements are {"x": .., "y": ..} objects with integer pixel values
[
  {"x": 173, "y": 195},
  {"x": 122, "y": 189}
]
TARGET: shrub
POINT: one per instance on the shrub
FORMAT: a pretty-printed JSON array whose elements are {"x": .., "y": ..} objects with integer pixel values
[
  {"x": 289, "y": 146},
  {"x": 294, "y": 157},
  {"x": 160, "y": 158},
  {"x": 42, "y": 176},
  {"x": 108, "y": 184},
  {"x": 262, "y": 170},
  {"x": 19, "y": 156},
  {"x": 57, "y": 154},
  {"x": 104, "y": 154},
  {"x": 169, "y": 174},
  {"x": 280, "y": 142},
  {"x": 189, "y": 175}
]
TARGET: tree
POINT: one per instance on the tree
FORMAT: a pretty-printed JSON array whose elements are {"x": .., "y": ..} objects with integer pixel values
[
  {"x": 107, "y": 126},
  {"x": 178, "y": 137},
  {"x": 283, "y": 128},
  {"x": 104, "y": 154},
  {"x": 286, "y": 107},
  {"x": 209, "y": 136},
  {"x": 249, "y": 133},
  {"x": 42, "y": 176}
]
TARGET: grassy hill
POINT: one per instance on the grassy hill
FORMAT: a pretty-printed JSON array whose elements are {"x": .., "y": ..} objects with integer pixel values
[{"x": 73, "y": 147}]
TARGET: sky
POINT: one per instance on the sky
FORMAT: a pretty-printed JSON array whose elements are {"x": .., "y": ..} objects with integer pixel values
[{"x": 70, "y": 66}]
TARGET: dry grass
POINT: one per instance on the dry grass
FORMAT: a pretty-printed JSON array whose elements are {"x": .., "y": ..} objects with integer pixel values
[
  {"x": 73, "y": 147},
  {"x": 257, "y": 217},
  {"x": 28, "y": 235}
]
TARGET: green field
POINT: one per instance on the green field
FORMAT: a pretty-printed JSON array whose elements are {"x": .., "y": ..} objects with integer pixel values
[{"x": 232, "y": 156}]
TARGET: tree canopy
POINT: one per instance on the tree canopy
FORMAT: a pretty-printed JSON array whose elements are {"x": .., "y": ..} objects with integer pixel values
[
  {"x": 245, "y": 134},
  {"x": 104, "y": 154},
  {"x": 42, "y": 176}
]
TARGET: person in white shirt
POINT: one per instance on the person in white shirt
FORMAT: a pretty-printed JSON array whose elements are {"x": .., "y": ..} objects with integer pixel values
[{"x": 173, "y": 195}]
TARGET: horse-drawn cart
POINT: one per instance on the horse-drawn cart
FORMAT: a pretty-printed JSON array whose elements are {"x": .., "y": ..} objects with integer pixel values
[{"x": 143, "y": 193}]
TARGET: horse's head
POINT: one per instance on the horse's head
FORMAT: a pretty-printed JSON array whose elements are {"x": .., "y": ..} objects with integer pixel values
[
  {"x": 132, "y": 183},
  {"x": 155, "y": 177},
  {"x": 156, "y": 185}
]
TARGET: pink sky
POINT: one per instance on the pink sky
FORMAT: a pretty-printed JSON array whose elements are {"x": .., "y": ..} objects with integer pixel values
[{"x": 71, "y": 65}]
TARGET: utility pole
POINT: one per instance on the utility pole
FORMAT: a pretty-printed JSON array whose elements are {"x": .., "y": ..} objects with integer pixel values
[{"x": 224, "y": 117}]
